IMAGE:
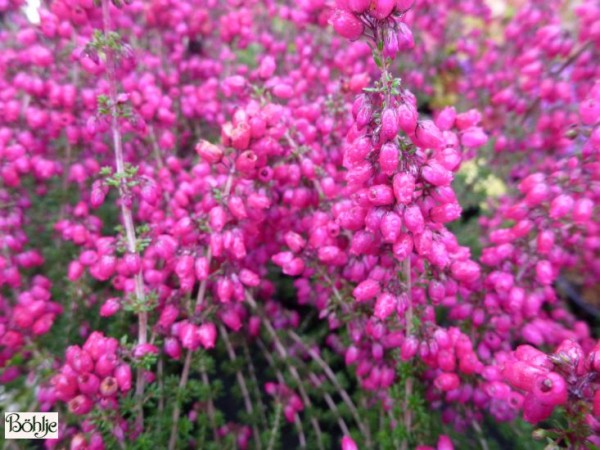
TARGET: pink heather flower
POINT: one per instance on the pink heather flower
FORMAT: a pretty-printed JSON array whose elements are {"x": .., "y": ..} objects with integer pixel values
[
  {"x": 209, "y": 152},
  {"x": 88, "y": 384},
  {"x": 535, "y": 411},
  {"x": 348, "y": 443},
  {"x": 207, "y": 334},
  {"x": 366, "y": 290},
  {"x": 583, "y": 210},
  {"x": 436, "y": 174},
  {"x": 389, "y": 124},
  {"x": 123, "y": 377},
  {"x": 447, "y": 382},
  {"x": 385, "y": 306},
  {"x": 142, "y": 350},
  {"x": 407, "y": 117},
  {"x": 544, "y": 272},
  {"x": 346, "y": 24},
  {"x": 445, "y": 119},
  {"x": 391, "y": 227},
  {"x": 550, "y": 389},
  {"x": 381, "y": 195},
  {"x": 110, "y": 307},
  {"x": 467, "y": 271},
  {"x": 561, "y": 206},
  {"x": 473, "y": 137},
  {"x": 172, "y": 348},
  {"x": 413, "y": 219},
  {"x": 428, "y": 135},
  {"x": 589, "y": 111},
  {"x": 381, "y": 9},
  {"x": 404, "y": 187},
  {"x": 389, "y": 158},
  {"x": 80, "y": 405}
]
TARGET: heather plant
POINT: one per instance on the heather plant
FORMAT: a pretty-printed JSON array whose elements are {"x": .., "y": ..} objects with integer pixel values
[{"x": 260, "y": 224}]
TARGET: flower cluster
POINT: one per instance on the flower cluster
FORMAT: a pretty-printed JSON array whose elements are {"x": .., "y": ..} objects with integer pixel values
[{"x": 267, "y": 208}]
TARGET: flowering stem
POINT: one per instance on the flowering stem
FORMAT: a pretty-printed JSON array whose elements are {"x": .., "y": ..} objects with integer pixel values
[
  {"x": 241, "y": 381},
  {"x": 332, "y": 406},
  {"x": 409, "y": 309},
  {"x": 275, "y": 427},
  {"x": 331, "y": 375},
  {"x": 409, "y": 381},
  {"x": 210, "y": 405},
  {"x": 177, "y": 408},
  {"x": 284, "y": 355},
  {"x": 252, "y": 372},
  {"x": 126, "y": 213},
  {"x": 281, "y": 380}
]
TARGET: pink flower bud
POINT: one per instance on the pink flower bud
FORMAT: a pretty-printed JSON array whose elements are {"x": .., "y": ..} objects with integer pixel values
[
  {"x": 445, "y": 213},
  {"x": 346, "y": 24},
  {"x": 75, "y": 271},
  {"x": 545, "y": 242},
  {"x": 382, "y": 8},
  {"x": 550, "y": 389},
  {"x": 535, "y": 411},
  {"x": 404, "y": 188},
  {"x": 231, "y": 318},
  {"x": 447, "y": 382},
  {"x": 294, "y": 267},
  {"x": 98, "y": 194},
  {"x": 207, "y": 333},
  {"x": 391, "y": 227},
  {"x": 123, "y": 377},
  {"x": 589, "y": 111},
  {"x": 544, "y": 272},
  {"x": 142, "y": 350},
  {"x": 407, "y": 117},
  {"x": 79, "y": 360},
  {"x": 237, "y": 207},
  {"x": 348, "y": 443},
  {"x": 409, "y": 348},
  {"x": 429, "y": 136},
  {"x": 172, "y": 348},
  {"x": 436, "y": 174},
  {"x": 209, "y": 152},
  {"x": 561, "y": 206},
  {"x": 110, "y": 307},
  {"x": 106, "y": 364},
  {"x": 132, "y": 263},
  {"x": 80, "y": 405},
  {"x": 389, "y": 124},
  {"x": 246, "y": 162},
  {"x": 413, "y": 219},
  {"x": 109, "y": 387},
  {"x": 249, "y": 278},
  {"x": 403, "y": 247},
  {"x": 366, "y": 290},
  {"x": 381, "y": 194},
  {"x": 473, "y": 137},
  {"x": 282, "y": 90},
  {"x": 466, "y": 271},
  {"x": 88, "y": 383},
  {"x": 388, "y": 158},
  {"x": 385, "y": 306},
  {"x": 405, "y": 37},
  {"x": 583, "y": 210},
  {"x": 185, "y": 266},
  {"x": 201, "y": 268},
  {"x": 445, "y": 119},
  {"x": 352, "y": 354}
]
